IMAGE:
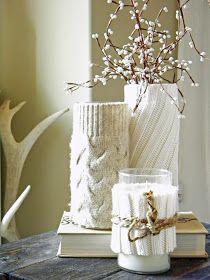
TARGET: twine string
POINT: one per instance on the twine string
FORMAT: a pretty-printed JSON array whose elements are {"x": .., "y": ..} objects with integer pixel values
[{"x": 149, "y": 225}]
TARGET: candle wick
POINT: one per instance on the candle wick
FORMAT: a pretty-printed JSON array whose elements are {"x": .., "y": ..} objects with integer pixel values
[{"x": 147, "y": 185}]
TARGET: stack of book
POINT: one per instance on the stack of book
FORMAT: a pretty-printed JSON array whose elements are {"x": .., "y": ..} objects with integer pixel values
[{"x": 76, "y": 241}]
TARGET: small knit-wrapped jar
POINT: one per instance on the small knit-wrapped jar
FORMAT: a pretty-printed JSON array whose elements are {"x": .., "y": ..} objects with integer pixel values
[
  {"x": 144, "y": 216},
  {"x": 99, "y": 149}
]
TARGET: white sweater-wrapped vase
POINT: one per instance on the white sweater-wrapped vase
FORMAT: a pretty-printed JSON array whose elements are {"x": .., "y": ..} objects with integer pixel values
[
  {"x": 99, "y": 149},
  {"x": 154, "y": 127}
]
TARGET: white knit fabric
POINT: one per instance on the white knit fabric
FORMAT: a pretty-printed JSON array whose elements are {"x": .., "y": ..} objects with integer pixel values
[
  {"x": 129, "y": 201},
  {"x": 154, "y": 128},
  {"x": 99, "y": 149}
]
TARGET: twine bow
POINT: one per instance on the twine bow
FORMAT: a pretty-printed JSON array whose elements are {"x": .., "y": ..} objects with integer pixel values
[{"x": 150, "y": 225}]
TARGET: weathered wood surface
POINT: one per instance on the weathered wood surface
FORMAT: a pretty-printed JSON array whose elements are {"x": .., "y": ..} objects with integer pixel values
[
  {"x": 25, "y": 252},
  {"x": 35, "y": 258}
]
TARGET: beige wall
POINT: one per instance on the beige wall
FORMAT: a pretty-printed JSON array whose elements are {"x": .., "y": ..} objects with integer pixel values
[
  {"x": 42, "y": 44},
  {"x": 38, "y": 43}
]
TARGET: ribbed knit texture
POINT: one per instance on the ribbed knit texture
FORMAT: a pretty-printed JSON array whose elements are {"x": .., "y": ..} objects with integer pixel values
[
  {"x": 132, "y": 203},
  {"x": 99, "y": 149},
  {"x": 154, "y": 129}
]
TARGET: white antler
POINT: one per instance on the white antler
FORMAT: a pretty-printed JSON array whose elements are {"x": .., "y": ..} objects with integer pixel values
[
  {"x": 16, "y": 152},
  {"x": 4, "y": 232}
]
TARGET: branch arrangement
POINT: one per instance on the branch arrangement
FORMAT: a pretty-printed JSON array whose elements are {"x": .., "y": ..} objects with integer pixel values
[{"x": 149, "y": 53}]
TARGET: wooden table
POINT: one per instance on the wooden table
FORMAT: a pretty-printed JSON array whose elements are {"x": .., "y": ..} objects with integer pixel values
[{"x": 35, "y": 258}]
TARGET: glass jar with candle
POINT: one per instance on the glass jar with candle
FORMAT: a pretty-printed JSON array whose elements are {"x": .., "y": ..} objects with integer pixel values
[{"x": 143, "y": 223}]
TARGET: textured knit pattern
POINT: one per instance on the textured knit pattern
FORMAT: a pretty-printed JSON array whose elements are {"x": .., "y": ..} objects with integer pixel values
[
  {"x": 154, "y": 129},
  {"x": 127, "y": 203},
  {"x": 99, "y": 149}
]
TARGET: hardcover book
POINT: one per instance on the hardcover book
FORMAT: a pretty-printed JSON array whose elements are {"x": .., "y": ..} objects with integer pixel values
[
  {"x": 191, "y": 237},
  {"x": 76, "y": 241}
]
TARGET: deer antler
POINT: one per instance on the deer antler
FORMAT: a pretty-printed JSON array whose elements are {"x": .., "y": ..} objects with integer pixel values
[
  {"x": 17, "y": 152},
  {"x": 4, "y": 232}
]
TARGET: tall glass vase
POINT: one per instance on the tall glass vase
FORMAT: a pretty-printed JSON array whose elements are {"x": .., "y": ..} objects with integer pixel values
[
  {"x": 154, "y": 128},
  {"x": 99, "y": 149}
]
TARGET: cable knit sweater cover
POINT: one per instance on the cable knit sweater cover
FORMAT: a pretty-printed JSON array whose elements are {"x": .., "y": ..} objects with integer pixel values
[
  {"x": 154, "y": 128},
  {"x": 99, "y": 149}
]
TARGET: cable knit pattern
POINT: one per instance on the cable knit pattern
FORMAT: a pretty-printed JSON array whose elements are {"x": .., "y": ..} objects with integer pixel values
[
  {"x": 99, "y": 149},
  {"x": 154, "y": 129}
]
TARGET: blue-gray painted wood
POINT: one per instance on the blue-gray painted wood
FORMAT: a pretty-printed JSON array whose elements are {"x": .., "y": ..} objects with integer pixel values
[{"x": 35, "y": 258}]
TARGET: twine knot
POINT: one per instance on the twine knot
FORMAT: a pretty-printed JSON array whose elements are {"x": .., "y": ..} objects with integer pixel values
[{"x": 150, "y": 225}]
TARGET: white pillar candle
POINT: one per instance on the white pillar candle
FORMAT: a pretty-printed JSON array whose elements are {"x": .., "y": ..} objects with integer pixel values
[
  {"x": 144, "y": 264},
  {"x": 150, "y": 253}
]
